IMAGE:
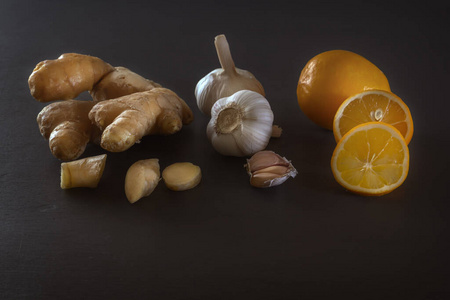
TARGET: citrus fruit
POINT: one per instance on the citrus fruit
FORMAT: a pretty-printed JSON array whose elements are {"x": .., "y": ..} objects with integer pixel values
[
  {"x": 373, "y": 106},
  {"x": 371, "y": 159},
  {"x": 331, "y": 77}
]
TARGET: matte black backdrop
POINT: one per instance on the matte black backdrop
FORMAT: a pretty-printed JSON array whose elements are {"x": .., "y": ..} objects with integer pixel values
[{"x": 306, "y": 239}]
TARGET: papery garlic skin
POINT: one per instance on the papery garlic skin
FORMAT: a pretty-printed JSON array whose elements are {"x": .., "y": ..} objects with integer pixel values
[
  {"x": 225, "y": 81},
  {"x": 241, "y": 124},
  {"x": 219, "y": 84}
]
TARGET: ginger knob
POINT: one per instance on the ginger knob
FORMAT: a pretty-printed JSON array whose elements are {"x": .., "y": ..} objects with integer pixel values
[
  {"x": 66, "y": 77},
  {"x": 121, "y": 82},
  {"x": 127, "y": 119},
  {"x": 142, "y": 178},
  {"x": 84, "y": 172},
  {"x": 65, "y": 124}
]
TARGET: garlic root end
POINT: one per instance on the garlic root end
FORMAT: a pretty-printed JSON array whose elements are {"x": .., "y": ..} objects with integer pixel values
[{"x": 276, "y": 131}]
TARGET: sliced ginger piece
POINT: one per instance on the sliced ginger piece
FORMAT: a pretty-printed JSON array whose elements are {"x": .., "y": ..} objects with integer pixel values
[
  {"x": 182, "y": 176},
  {"x": 84, "y": 172},
  {"x": 142, "y": 178}
]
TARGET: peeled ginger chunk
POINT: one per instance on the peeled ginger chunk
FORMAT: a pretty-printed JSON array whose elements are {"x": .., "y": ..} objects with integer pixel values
[
  {"x": 182, "y": 176},
  {"x": 142, "y": 178},
  {"x": 84, "y": 172}
]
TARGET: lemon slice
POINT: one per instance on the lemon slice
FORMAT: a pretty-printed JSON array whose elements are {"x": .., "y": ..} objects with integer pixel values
[
  {"x": 371, "y": 159},
  {"x": 373, "y": 106}
]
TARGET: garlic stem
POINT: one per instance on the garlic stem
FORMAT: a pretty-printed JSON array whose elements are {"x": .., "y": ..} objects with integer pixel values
[{"x": 224, "y": 54}]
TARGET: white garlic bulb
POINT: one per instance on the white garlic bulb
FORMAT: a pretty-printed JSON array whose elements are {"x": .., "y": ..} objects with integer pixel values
[
  {"x": 241, "y": 124},
  {"x": 225, "y": 81}
]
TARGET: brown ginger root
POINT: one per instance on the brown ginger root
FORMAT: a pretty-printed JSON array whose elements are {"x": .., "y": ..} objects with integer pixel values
[
  {"x": 66, "y": 126},
  {"x": 125, "y": 120},
  {"x": 132, "y": 115},
  {"x": 66, "y": 77},
  {"x": 121, "y": 82}
]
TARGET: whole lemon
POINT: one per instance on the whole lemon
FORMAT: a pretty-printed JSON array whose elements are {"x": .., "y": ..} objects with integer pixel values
[{"x": 331, "y": 77}]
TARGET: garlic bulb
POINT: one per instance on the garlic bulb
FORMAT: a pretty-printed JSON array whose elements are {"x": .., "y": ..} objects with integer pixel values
[
  {"x": 241, "y": 124},
  {"x": 225, "y": 81}
]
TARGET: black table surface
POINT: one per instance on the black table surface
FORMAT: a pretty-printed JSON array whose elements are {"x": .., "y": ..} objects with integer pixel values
[{"x": 305, "y": 239}]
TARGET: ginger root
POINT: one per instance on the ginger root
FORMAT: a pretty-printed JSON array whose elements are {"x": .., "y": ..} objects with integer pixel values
[
  {"x": 66, "y": 126},
  {"x": 66, "y": 77},
  {"x": 122, "y": 107},
  {"x": 125, "y": 120},
  {"x": 85, "y": 172},
  {"x": 142, "y": 178},
  {"x": 121, "y": 82},
  {"x": 182, "y": 176}
]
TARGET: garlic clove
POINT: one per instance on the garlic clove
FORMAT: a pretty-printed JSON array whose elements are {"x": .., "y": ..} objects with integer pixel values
[
  {"x": 227, "y": 145},
  {"x": 267, "y": 169},
  {"x": 265, "y": 180},
  {"x": 265, "y": 159},
  {"x": 276, "y": 170},
  {"x": 225, "y": 81}
]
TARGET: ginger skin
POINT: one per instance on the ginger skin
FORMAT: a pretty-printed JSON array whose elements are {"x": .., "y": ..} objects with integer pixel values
[
  {"x": 121, "y": 82},
  {"x": 125, "y": 120},
  {"x": 66, "y": 126},
  {"x": 66, "y": 77}
]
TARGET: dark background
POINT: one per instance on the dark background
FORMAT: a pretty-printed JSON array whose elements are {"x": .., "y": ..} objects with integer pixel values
[{"x": 305, "y": 239}]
